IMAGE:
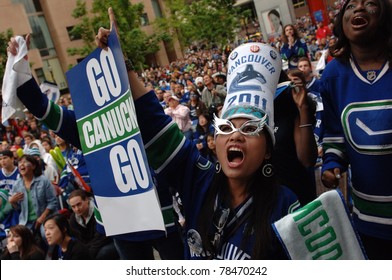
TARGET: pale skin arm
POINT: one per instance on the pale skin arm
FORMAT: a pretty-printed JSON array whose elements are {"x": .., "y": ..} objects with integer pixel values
[{"x": 137, "y": 87}]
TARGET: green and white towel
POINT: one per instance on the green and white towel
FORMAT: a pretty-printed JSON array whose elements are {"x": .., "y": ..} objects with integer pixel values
[{"x": 321, "y": 230}]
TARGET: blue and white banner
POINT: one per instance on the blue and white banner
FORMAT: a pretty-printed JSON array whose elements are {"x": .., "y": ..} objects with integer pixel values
[
  {"x": 112, "y": 144},
  {"x": 321, "y": 230}
]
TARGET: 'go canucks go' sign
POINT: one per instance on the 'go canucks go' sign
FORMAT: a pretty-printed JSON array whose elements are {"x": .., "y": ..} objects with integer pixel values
[{"x": 112, "y": 144}]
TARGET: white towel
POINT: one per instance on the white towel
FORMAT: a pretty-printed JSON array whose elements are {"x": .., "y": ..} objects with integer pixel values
[
  {"x": 320, "y": 230},
  {"x": 17, "y": 72}
]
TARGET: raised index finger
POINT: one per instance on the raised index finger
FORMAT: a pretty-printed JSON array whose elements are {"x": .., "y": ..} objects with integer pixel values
[{"x": 112, "y": 18}]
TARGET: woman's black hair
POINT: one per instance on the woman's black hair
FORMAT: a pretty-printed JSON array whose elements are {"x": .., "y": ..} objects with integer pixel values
[
  {"x": 264, "y": 191},
  {"x": 38, "y": 168},
  {"x": 61, "y": 221},
  {"x": 29, "y": 245},
  {"x": 342, "y": 51},
  {"x": 275, "y": 13}
]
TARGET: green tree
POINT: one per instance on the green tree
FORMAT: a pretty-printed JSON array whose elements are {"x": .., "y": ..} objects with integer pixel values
[
  {"x": 4, "y": 38},
  {"x": 210, "y": 21},
  {"x": 135, "y": 43}
]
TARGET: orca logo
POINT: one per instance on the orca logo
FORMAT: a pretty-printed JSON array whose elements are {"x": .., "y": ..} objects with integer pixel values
[
  {"x": 273, "y": 54},
  {"x": 243, "y": 77},
  {"x": 233, "y": 55},
  {"x": 368, "y": 126}
]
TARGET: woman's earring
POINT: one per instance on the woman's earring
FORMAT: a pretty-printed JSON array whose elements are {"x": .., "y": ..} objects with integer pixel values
[
  {"x": 218, "y": 167},
  {"x": 267, "y": 170}
]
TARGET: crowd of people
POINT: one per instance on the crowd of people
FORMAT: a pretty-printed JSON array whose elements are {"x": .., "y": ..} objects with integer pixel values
[{"x": 258, "y": 162}]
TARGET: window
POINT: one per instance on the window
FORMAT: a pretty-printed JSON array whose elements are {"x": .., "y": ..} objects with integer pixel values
[
  {"x": 30, "y": 6},
  {"x": 144, "y": 20},
  {"x": 156, "y": 8},
  {"x": 299, "y": 3}
]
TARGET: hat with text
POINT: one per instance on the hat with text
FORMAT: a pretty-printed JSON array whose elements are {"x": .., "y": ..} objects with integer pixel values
[{"x": 253, "y": 72}]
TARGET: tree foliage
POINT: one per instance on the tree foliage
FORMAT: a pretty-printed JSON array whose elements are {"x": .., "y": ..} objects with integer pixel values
[
  {"x": 213, "y": 22},
  {"x": 135, "y": 43},
  {"x": 4, "y": 38}
]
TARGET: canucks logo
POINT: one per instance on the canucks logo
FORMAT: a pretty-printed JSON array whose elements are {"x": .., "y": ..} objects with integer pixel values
[
  {"x": 233, "y": 55},
  {"x": 368, "y": 126},
  {"x": 273, "y": 54},
  {"x": 239, "y": 81}
]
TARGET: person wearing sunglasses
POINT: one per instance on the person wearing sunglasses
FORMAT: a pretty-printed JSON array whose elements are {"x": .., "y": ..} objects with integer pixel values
[{"x": 229, "y": 207}]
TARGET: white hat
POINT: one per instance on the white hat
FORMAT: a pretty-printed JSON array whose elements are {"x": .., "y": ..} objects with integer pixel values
[
  {"x": 173, "y": 97},
  {"x": 252, "y": 77},
  {"x": 199, "y": 80}
]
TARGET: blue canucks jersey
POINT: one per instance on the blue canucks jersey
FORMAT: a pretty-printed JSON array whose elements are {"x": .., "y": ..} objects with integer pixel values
[{"x": 358, "y": 131}]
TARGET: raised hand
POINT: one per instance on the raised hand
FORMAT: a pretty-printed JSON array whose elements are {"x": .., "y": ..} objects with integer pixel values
[
  {"x": 101, "y": 39},
  {"x": 13, "y": 45}
]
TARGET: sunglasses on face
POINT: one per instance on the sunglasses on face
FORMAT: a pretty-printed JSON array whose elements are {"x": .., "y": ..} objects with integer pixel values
[{"x": 248, "y": 128}]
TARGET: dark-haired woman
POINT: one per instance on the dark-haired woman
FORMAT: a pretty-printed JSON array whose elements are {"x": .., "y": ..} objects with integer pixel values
[
  {"x": 33, "y": 194},
  {"x": 21, "y": 245},
  {"x": 293, "y": 46},
  {"x": 58, "y": 234},
  {"x": 229, "y": 207},
  {"x": 357, "y": 96}
]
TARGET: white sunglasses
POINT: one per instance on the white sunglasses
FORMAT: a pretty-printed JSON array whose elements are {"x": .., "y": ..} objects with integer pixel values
[{"x": 249, "y": 128}]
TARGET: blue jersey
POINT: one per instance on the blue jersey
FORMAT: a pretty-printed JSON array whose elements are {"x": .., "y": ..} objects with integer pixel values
[
  {"x": 63, "y": 122},
  {"x": 8, "y": 181},
  {"x": 314, "y": 92},
  {"x": 358, "y": 131},
  {"x": 191, "y": 174},
  {"x": 292, "y": 55}
]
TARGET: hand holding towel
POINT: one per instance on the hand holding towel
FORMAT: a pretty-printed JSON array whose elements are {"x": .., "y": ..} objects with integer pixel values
[{"x": 17, "y": 72}]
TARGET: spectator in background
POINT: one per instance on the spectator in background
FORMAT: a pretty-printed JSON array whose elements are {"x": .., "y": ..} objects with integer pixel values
[
  {"x": 9, "y": 172},
  {"x": 322, "y": 31},
  {"x": 199, "y": 82},
  {"x": 58, "y": 234},
  {"x": 83, "y": 225},
  {"x": 28, "y": 138},
  {"x": 159, "y": 93},
  {"x": 220, "y": 79},
  {"x": 165, "y": 102},
  {"x": 33, "y": 195},
  {"x": 212, "y": 94},
  {"x": 203, "y": 127},
  {"x": 47, "y": 144},
  {"x": 211, "y": 148},
  {"x": 293, "y": 46},
  {"x": 195, "y": 105},
  {"x": 21, "y": 245},
  {"x": 313, "y": 48},
  {"x": 180, "y": 114},
  {"x": 34, "y": 129},
  {"x": 49, "y": 171},
  {"x": 9, "y": 135},
  {"x": 295, "y": 149}
]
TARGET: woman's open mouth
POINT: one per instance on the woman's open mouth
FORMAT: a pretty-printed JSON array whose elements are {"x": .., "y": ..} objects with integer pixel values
[
  {"x": 359, "y": 21},
  {"x": 235, "y": 156}
]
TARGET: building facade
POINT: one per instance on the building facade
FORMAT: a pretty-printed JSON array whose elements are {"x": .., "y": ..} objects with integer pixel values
[{"x": 49, "y": 22}]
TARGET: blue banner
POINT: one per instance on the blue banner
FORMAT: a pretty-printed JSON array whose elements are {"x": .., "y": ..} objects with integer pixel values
[{"x": 112, "y": 144}]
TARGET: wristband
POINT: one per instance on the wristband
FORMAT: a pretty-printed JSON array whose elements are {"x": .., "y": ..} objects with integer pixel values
[
  {"x": 129, "y": 65},
  {"x": 305, "y": 125}
]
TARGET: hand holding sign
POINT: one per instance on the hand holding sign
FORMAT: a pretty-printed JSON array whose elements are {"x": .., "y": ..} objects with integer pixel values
[{"x": 101, "y": 39}]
